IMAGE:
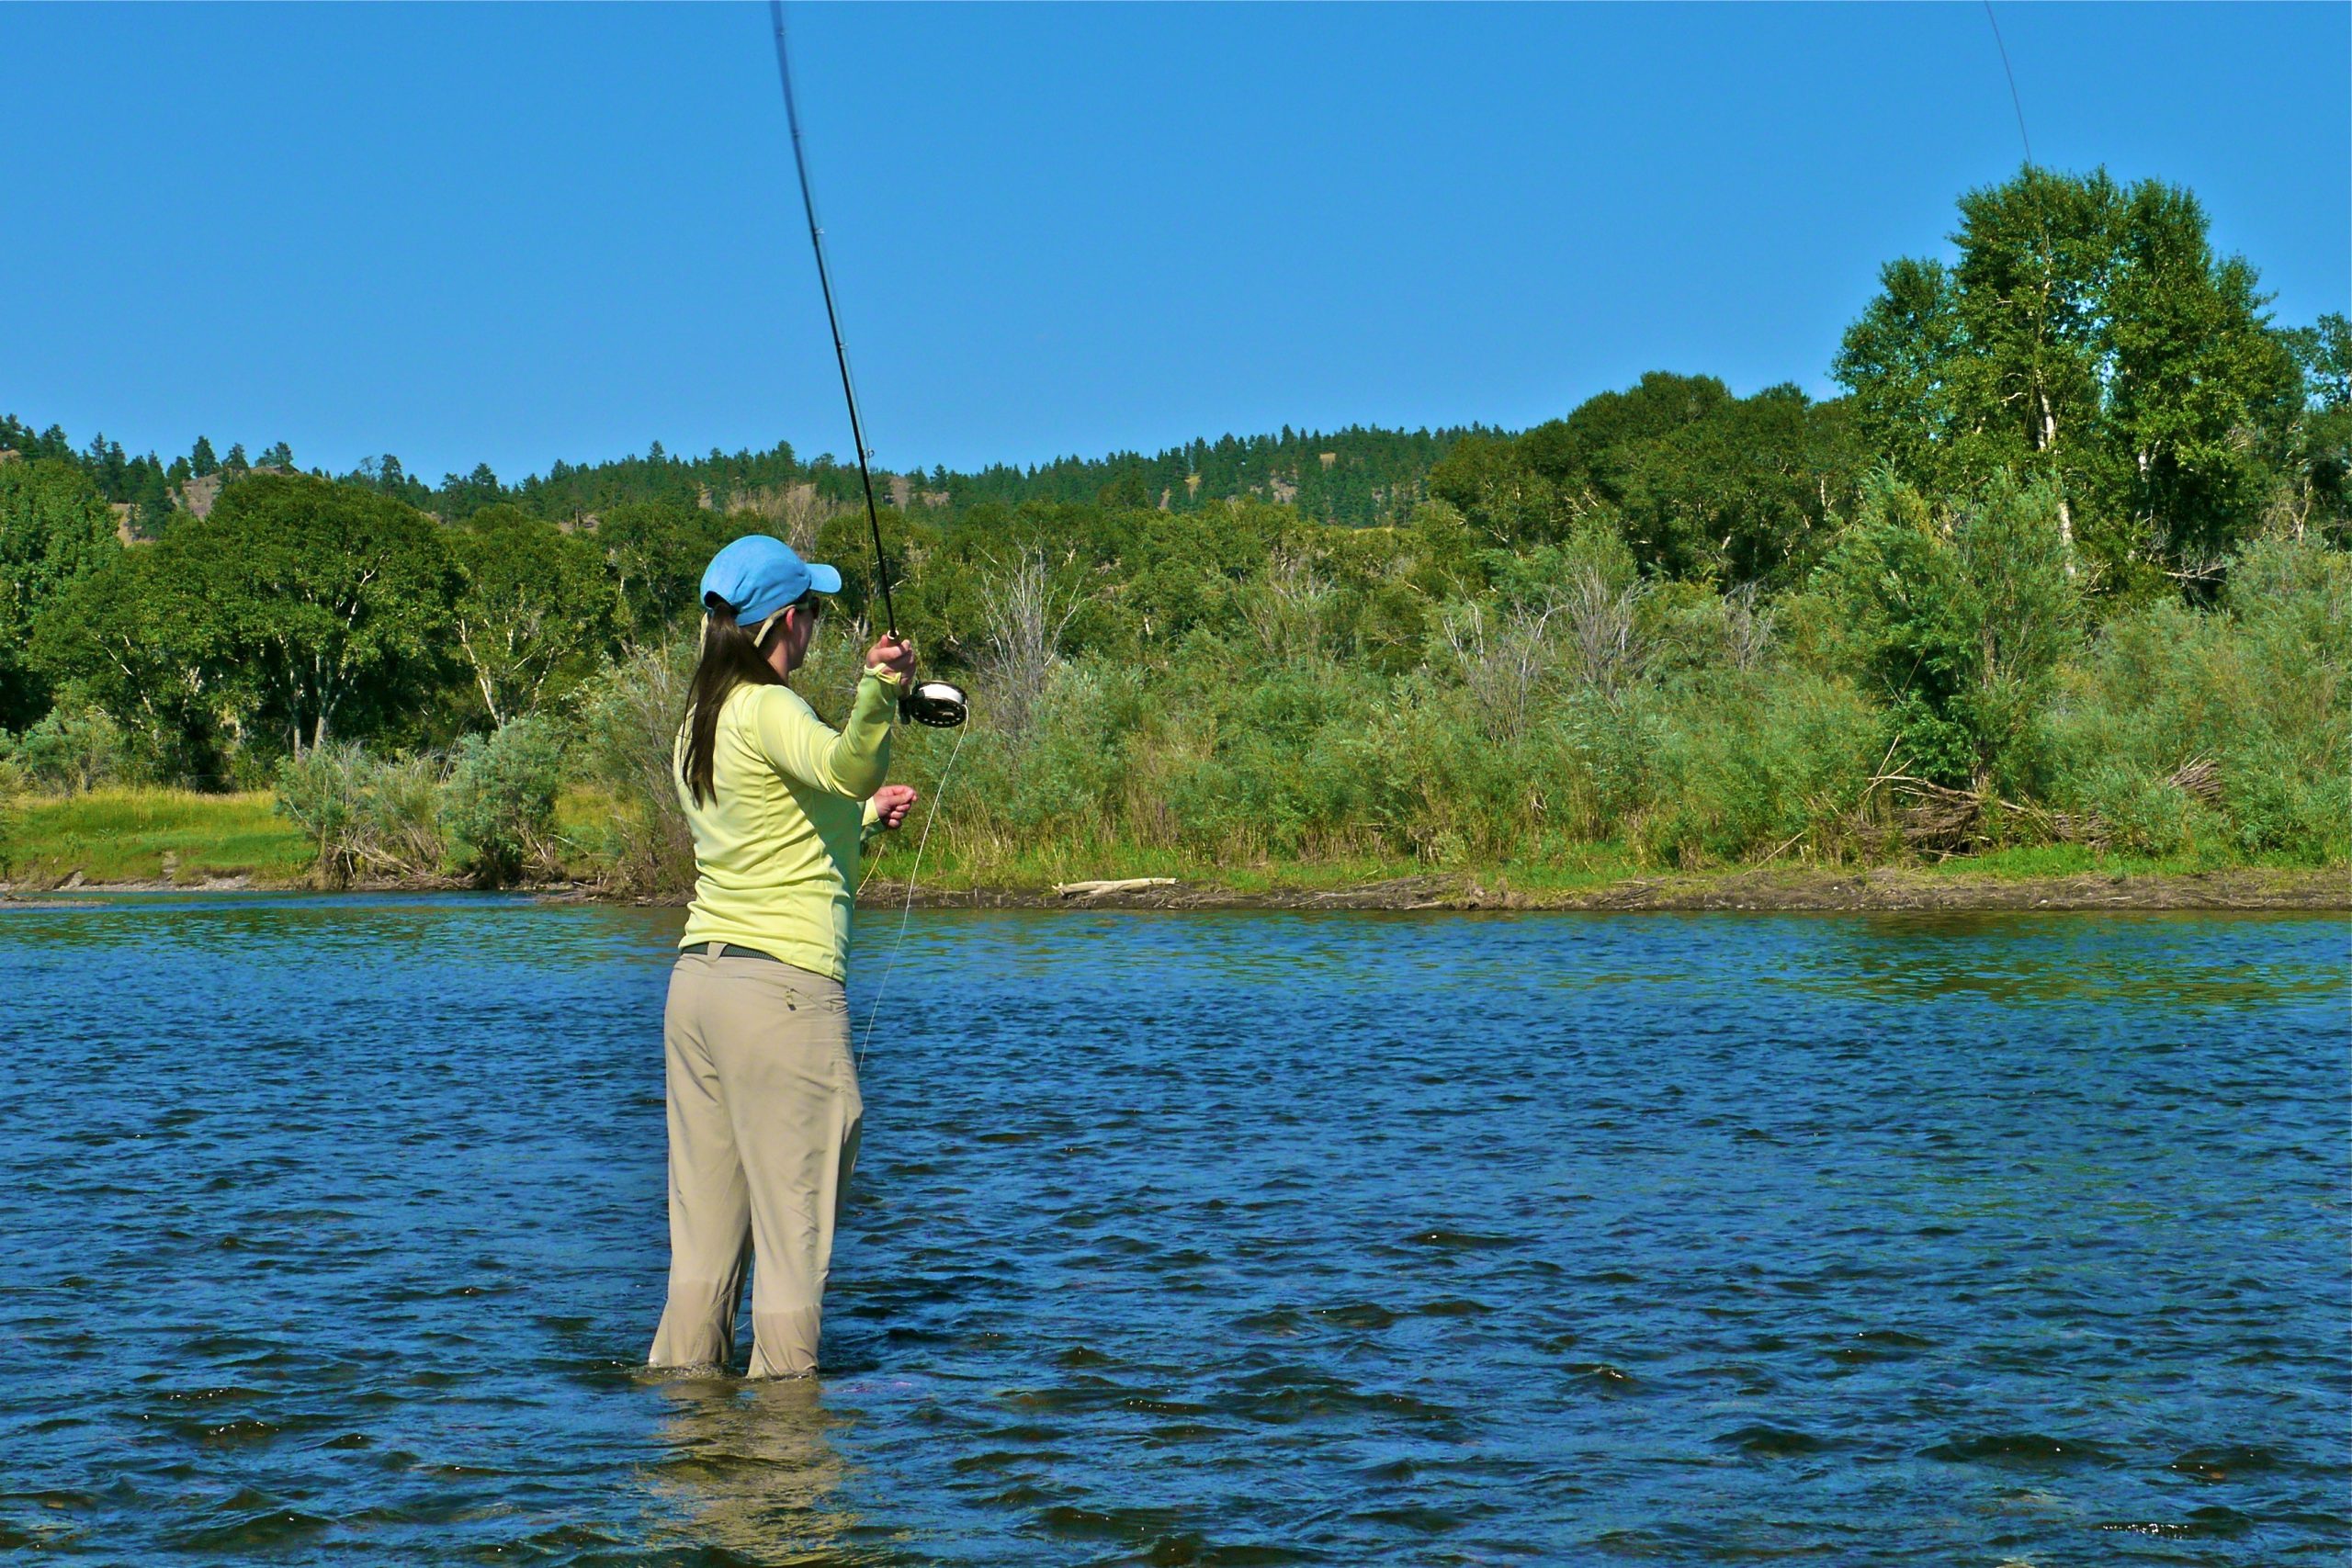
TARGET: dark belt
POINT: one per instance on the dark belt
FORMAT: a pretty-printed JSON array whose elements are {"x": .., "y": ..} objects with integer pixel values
[{"x": 729, "y": 950}]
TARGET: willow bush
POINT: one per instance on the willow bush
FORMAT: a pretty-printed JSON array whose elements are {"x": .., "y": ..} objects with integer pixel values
[
  {"x": 483, "y": 811},
  {"x": 1693, "y": 728},
  {"x": 497, "y": 803},
  {"x": 365, "y": 815},
  {"x": 628, "y": 722},
  {"x": 2253, "y": 690}
]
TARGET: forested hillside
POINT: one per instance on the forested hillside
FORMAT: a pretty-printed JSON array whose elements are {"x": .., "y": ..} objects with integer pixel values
[
  {"x": 1356, "y": 475},
  {"x": 2066, "y": 562}
]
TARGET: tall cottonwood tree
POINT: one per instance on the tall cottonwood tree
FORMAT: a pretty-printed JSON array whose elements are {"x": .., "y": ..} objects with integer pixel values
[
  {"x": 532, "y": 610},
  {"x": 2316, "y": 487},
  {"x": 307, "y": 604},
  {"x": 655, "y": 553},
  {"x": 2088, "y": 336},
  {"x": 55, "y": 529},
  {"x": 340, "y": 599},
  {"x": 297, "y": 609},
  {"x": 139, "y": 638}
]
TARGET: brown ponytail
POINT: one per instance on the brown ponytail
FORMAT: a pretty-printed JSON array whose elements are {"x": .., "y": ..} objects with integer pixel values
[{"x": 729, "y": 659}]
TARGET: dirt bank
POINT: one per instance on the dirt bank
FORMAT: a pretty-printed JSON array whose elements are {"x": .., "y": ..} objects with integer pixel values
[{"x": 1881, "y": 888}]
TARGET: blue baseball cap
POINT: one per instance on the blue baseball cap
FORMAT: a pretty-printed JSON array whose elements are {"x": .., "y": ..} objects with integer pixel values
[{"x": 757, "y": 576}]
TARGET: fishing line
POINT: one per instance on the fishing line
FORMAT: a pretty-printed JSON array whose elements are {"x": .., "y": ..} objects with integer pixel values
[
  {"x": 2014, "y": 102},
  {"x": 938, "y": 798}
]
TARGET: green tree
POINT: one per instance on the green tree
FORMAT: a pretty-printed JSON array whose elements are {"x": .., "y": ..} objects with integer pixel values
[
  {"x": 55, "y": 529},
  {"x": 2089, "y": 337},
  {"x": 1126, "y": 489},
  {"x": 531, "y": 613},
  {"x": 334, "y": 602},
  {"x": 150, "y": 495},
  {"x": 201, "y": 459},
  {"x": 1750, "y": 493},
  {"x": 462, "y": 496},
  {"x": 2316, "y": 484},
  {"x": 654, "y": 554},
  {"x": 1487, "y": 481},
  {"x": 141, "y": 639},
  {"x": 1703, "y": 484},
  {"x": 1590, "y": 449}
]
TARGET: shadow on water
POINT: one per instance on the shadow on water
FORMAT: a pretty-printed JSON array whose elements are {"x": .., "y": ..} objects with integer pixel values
[{"x": 336, "y": 1230}]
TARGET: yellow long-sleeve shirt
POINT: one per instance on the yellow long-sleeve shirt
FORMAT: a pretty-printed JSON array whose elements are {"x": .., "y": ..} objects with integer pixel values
[{"x": 776, "y": 848}]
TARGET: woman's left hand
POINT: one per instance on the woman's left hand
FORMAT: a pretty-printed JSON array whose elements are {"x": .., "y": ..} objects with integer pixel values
[{"x": 891, "y": 804}]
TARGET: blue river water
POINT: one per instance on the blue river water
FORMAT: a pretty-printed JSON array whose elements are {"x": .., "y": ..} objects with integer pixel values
[{"x": 334, "y": 1234}]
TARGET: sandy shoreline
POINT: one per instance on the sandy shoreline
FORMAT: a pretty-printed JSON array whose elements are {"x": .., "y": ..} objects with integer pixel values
[{"x": 1879, "y": 888}]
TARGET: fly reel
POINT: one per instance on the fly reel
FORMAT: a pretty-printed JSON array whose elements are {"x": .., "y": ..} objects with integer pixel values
[{"x": 936, "y": 703}]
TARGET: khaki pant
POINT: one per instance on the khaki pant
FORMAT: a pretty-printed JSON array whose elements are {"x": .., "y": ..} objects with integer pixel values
[{"x": 764, "y": 1125}]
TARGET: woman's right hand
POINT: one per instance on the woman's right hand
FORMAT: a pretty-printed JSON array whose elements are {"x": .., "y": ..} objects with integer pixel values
[{"x": 893, "y": 653}]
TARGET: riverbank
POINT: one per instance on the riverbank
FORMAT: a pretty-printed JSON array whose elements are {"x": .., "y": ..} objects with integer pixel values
[
  {"x": 164, "y": 840},
  {"x": 1803, "y": 889}
]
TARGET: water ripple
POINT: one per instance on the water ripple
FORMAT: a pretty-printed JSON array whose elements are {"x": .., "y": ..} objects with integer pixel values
[{"x": 336, "y": 1234}]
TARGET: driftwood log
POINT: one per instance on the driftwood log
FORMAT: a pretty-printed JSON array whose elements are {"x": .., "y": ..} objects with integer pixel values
[{"x": 1121, "y": 884}]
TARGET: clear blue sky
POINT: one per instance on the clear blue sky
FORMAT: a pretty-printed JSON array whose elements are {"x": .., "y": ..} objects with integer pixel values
[{"x": 515, "y": 233}]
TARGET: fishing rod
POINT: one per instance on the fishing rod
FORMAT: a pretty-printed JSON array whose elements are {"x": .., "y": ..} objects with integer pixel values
[
  {"x": 934, "y": 703},
  {"x": 2014, "y": 102}
]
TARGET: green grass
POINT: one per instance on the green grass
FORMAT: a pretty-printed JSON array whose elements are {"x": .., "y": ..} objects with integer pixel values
[{"x": 123, "y": 835}]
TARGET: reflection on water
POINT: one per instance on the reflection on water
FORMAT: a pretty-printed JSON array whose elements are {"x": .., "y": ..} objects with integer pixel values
[
  {"x": 749, "y": 1467},
  {"x": 336, "y": 1232}
]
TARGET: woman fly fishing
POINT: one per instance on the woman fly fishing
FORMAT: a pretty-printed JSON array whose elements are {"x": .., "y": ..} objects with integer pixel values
[
  {"x": 763, "y": 1106},
  {"x": 763, "y": 1088}
]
